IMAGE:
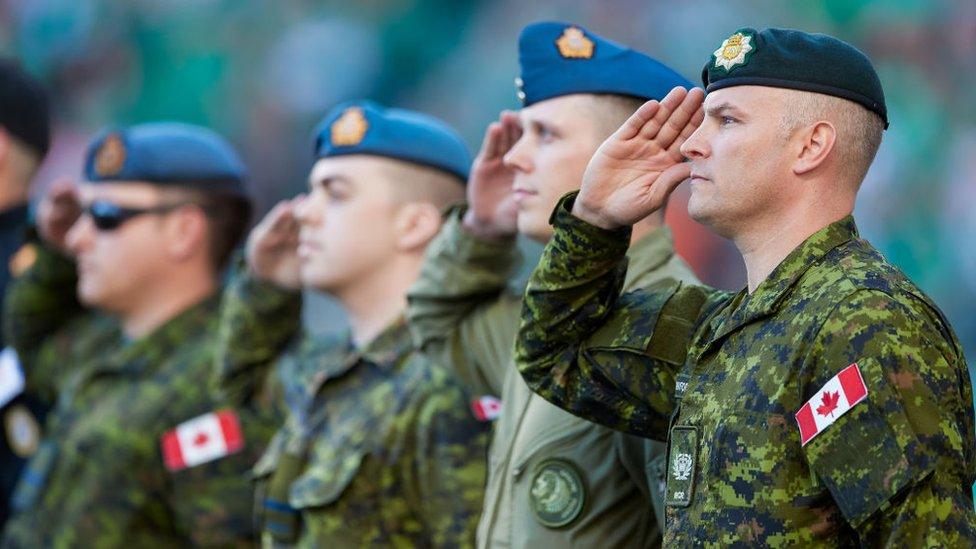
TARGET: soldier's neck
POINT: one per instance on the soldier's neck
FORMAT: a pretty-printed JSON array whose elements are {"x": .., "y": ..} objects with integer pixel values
[
  {"x": 377, "y": 300},
  {"x": 764, "y": 245},
  {"x": 158, "y": 309}
]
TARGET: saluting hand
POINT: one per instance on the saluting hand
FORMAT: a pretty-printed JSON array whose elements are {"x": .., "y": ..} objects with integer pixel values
[
  {"x": 491, "y": 205},
  {"x": 272, "y": 246},
  {"x": 57, "y": 212},
  {"x": 636, "y": 168}
]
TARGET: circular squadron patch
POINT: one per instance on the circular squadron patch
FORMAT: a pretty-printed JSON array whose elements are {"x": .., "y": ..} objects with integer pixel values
[
  {"x": 557, "y": 493},
  {"x": 23, "y": 432}
]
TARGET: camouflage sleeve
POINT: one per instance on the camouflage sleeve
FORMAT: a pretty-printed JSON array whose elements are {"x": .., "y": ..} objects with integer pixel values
[
  {"x": 460, "y": 313},
  {"x": 603, "y": 356},
  {"x": 38, "y": 303},
  {"x": 257, "y": 320},
  {"x": 448, "y": 469},
  {"x": 899, "y": 464}
]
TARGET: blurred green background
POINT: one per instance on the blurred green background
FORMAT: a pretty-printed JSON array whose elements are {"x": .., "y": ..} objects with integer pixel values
[{"x": 264, "y": 72}]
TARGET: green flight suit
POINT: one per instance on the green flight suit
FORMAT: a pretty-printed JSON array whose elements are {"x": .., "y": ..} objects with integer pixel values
[
  {"x": 463, "y": 314},
  {"x": 725, "y": 375},
  {"x": 100, "y": 478},
  {"x": 379, "y": 447}
]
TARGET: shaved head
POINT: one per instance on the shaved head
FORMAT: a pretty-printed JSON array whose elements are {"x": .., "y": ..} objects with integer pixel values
[
  {"x": 858, "y": 129},
  {"x": 415, "y": 183}
]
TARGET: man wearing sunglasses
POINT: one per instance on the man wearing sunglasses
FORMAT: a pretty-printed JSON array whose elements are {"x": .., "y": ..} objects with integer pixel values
[
  {"x": 137, "y": 451},
  {"x": 24, "y": 140}
]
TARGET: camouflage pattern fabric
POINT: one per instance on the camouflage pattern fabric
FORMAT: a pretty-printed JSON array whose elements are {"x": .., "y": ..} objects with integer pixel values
[
  {"x": 724, "y": 374},
  {"x": 379, "y": 447},
  {"x": 99, "y": 478},
  {"x": 464, "y": 314}
]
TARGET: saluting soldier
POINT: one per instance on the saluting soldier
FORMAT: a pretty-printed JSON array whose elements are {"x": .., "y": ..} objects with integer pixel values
[
  {"x": 554, "y": 480},
  {"x": 118, "y": 318},
  {"x": 24, "y": 141},
  {"x": 379, "y": 447},
  {"x": 826, "y": 403}
]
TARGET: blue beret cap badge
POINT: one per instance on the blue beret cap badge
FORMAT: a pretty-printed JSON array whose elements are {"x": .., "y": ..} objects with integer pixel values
[
  {"x": 349, "y": 129},
  {"x": 734, "y": 51},
  {"x": 110, "y": 156},
  {"x": 573, "y": 44}
]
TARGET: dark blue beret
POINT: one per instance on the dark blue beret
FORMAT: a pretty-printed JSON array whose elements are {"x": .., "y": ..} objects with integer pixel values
[
  {"x": 167, "y": 153},
  {"x": 561, "y": 59},
  {"x": 24, "y": 107},
  {"x": 363, "y": 127},
  {"x": 784, "y": 58}
]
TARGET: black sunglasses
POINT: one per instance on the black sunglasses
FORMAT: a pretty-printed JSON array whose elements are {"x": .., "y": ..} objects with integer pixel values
[{"x": 107, "y": 216}]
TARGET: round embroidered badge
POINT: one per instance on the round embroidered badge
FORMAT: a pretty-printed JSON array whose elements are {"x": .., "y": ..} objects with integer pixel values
[
  {"x": 23, "y": 432},
  {"x": 557, "y": 494}
]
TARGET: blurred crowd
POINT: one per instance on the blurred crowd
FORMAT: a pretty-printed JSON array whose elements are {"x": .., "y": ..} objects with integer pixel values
[{"x": 261, "y": 73}]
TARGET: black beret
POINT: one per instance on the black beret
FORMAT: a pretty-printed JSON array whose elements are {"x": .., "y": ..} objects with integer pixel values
[
  {"x": 785, "y": 58},
  {"x": 24, "y": 110}
]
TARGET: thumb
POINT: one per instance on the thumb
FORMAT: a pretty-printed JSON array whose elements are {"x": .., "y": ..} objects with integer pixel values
[{"x": 668, "y": 181}]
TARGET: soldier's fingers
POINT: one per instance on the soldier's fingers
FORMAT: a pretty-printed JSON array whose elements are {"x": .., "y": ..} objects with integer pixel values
[
  {"x": 632, "y": 126},
  {"x": 692, "y": 125},
  {"x": 490, "y": 144},
  {"x": 668, "y": 181},
  {"x": 658, "y": 128},
  {"x": 513, "y": 129}
]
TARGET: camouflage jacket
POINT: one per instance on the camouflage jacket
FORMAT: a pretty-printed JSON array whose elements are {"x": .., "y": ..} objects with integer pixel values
[
  {"x": 729, "y": 376},
  {"x": 100, "y": 477},
  {"x": 463, "y": 313},
  {"x": 379, "y": 447}
]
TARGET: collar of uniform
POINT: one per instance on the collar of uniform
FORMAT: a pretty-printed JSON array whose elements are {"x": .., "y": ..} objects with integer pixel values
[
  {"x": 775, "y": 288},
  {"x": 648, "y": 254},
  {"x": 142, "y": 353},
  {"x": 384, "y": 349}
]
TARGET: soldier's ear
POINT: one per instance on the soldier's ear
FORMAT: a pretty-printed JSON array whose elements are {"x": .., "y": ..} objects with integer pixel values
[
  {"x": 187, "y": 233},
  {"x": 416, "y": 224},
  {"x": 814, "y": 145}
]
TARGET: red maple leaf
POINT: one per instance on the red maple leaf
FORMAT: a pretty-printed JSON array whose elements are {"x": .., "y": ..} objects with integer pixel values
[
  {"x": 829, "y": 403},
  {"x": 201, "y": 439}
]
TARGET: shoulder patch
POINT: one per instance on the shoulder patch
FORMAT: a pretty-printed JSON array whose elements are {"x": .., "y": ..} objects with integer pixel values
[
  {"x": 557, "y": 493},
  {"x": 486, "y": 408},
  {"x": 202, "y": 439},
  {"x": 23, "y": 431},
  {"x": 833, "y": 400}
]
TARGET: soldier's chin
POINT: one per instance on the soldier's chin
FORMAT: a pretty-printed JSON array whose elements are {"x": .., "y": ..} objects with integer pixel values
[
  {"x": 89, "y": 295},
  {"x": 534, "y": 226},
  {"x": 319, "y": 279}
]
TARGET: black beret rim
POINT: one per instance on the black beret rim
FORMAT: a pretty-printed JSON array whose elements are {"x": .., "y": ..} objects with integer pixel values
[
  {"x": 825, "y": 89},
  {"x": 424, "y": 163}
]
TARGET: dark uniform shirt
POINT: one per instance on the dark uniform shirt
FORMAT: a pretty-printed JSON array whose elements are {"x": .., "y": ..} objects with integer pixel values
[
  {"x": 379, "y": 448},
  {"x": 725, "y": 375},
  {"x": 22, "y": 411},
  {"x": 103, "y": 476}
]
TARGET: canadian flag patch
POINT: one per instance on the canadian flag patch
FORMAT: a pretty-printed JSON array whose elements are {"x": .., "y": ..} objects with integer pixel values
[
  {"x": 833, "y": 400},
  {"x": 202, "y": 439},
  {"x": 486, "y": 408}
]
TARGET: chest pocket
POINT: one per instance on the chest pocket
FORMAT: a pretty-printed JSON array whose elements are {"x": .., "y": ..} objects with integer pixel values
[{"x": 329, "y": 473}]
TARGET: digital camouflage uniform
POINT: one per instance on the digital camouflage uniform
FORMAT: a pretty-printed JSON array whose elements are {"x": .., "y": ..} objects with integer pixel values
[
  {"x": 896, "y": 468},
  {"x": 99, "y": 478},
  {"x": 379, "y": 447},
  {"x": 463, "y": 314}
]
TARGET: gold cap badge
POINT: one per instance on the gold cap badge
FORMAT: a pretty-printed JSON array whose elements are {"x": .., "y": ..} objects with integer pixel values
[
  {"x": 350, "y": 128},
  {"x": 733, "y": 51},
  {"x": 110, "y": 156},
  {"x": 573, "y": 44}
]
